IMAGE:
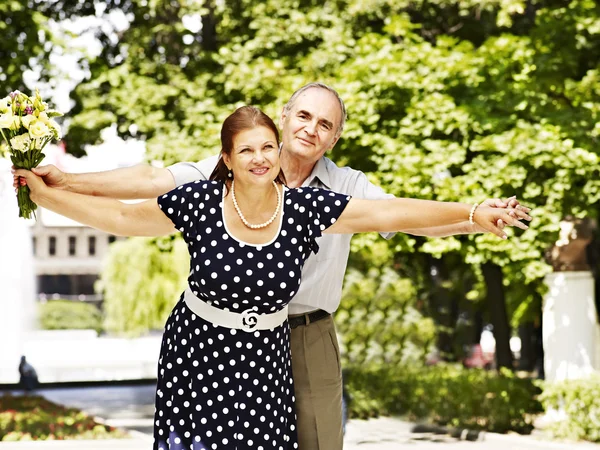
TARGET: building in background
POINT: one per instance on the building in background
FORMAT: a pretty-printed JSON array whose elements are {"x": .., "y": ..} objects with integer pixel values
[{"x": 68, "y": 257}]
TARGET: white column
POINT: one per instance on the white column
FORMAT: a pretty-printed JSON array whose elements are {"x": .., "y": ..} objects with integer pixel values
[{"x": 570, "y": 326}]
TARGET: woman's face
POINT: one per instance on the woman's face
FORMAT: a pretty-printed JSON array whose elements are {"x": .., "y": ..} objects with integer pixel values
[{"x": 254, "y": 158}]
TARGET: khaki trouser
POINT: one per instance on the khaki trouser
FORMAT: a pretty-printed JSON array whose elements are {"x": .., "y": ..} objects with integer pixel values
[{"x": 318, "y": 385}]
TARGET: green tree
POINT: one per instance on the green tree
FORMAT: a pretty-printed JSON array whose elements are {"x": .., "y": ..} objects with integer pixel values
[
  {"x": 26, "y": 41},
  {"x": 141, "y": 281},
  {"x": 467, "y": 118},
  {"x": 448, "y": 100}
]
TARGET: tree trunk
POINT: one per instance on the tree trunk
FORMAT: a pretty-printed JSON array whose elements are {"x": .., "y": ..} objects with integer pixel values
[
  {"x": 527, "y": 336},
  {"x": 209, "y": 28},
  {"x": 441, "y": 308},
  {"x": 492, "y": 273},
  {"x": 477, "y": 325},
  {"x": 445, "y": 310}
]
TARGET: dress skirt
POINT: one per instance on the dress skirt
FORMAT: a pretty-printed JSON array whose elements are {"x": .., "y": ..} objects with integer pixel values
[{"x": 222, "y": 388}]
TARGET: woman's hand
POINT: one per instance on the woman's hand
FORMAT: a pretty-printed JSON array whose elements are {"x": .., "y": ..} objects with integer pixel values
[
  {"x": 493, "y": 219},
  {"x": 512, "y": 206},
  {"x": 36, "y": 184},
  {"x": 106, "y": 214},
  {"x": 52, "y": 176}
]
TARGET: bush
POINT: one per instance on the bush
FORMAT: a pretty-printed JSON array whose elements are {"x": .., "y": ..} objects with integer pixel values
[
  {"x": 580, "y": 401},
  {"x": 446, "y": 395},
  {"x": 30, "y": 418},
  {"x": 378, "y": 322},
  {"x": 68, "y": 315}
]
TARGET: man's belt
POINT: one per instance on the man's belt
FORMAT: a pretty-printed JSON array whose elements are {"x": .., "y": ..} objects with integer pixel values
[{"x": 305, "y": 319}]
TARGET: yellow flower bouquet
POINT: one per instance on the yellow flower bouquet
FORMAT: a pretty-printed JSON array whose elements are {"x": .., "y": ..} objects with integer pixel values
[{"x": 27, "y": 126}]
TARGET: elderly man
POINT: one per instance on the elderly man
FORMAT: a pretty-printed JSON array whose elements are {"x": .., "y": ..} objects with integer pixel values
[{"x": 312, "y": 122}]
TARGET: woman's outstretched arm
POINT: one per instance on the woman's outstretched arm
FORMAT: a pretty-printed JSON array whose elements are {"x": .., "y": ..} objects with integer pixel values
[
  {"x": 112, "y": 216},
  {"x": 405, "y": 214}
]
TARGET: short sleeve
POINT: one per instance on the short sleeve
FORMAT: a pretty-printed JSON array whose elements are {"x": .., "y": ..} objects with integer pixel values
[
  {"x": 321, "y": 209},
  {"x": 186, "y": 172},
  {"x": 350, "y": 181},
  {"x": 361, "y": 187},
  {"x": 181, "y": 205}
]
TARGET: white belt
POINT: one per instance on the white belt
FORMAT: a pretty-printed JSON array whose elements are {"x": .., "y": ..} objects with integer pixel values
[{"x": 247, "y": 320}]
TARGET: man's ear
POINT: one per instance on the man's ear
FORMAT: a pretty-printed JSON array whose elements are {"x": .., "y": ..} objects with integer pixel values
[
  {"x": 282, "y": 118},
  {"x": 333, "y": 143}
]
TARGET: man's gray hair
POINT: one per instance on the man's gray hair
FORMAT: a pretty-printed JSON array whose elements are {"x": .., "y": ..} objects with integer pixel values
[{"x": 318, "y": 85}]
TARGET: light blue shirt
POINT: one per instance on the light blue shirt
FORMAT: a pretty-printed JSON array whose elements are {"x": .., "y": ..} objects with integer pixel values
[{"x": 323, "y": 273}]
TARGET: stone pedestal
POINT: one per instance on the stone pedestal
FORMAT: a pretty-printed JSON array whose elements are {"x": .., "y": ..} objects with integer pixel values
[{"x": 570, "y": 326}]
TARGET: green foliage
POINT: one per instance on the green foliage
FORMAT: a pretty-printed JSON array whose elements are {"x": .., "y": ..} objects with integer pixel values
[
  {"x": 27, "y": 418},
  {"x": 446, "y": 395},
  {"x": 31, "y": 32},
  {"x": 378, "y": 322},
  {"x": 580, "y": 402},
  {"x": 142, "y": 280},
  {"x": 24, "y": 35},
  {"x": 489, "y": 101},
  {"x": 69, "y": 315},
  {"x": 448, "y": 100}
]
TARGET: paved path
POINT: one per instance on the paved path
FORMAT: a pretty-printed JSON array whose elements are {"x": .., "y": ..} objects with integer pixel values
[
  {"x": 377, "y": 434},
  {"x": 132, "y": 407}
]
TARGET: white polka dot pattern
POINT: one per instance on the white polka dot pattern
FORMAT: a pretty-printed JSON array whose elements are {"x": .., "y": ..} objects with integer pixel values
[{"x": 220, "y": 388}]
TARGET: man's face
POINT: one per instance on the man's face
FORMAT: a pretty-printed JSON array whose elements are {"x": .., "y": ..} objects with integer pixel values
[{"x": 309, "y": 128}]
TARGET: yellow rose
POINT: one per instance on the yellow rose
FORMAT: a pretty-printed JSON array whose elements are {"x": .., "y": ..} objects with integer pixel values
[
  {"x": 38, "y": 129},
  {"x": 26, "y": 120},
  {"x": 55, "y": 127},
  {"x": 36, "y": 144},
  {"x": 6, "y": 120},
  {"x": 38, "y": 103},
  {"x": 4, "y": 105},
  {"x": 16, "y": 123},
  {"x": 20, "y": 142}
]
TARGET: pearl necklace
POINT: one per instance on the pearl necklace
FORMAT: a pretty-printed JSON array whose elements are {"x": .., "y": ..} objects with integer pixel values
[{"x": 239, "y": 211}]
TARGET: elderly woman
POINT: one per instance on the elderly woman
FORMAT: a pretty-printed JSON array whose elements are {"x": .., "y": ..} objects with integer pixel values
[{"x": 224, "y": 371}]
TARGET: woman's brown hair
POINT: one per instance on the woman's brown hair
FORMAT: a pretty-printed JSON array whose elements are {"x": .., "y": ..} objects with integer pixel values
[{"x": 244, "y": 118}]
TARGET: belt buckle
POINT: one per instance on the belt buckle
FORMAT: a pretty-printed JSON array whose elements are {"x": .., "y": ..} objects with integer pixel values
[{"x": 249, "y": 320}]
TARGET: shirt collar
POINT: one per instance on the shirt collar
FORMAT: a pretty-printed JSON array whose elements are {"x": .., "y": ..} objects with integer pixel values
[{"x": 319, "y": 171}]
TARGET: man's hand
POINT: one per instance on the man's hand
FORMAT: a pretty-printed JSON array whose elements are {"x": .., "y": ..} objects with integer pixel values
[
  {"x": 514, "y": 209},
  {"x": 52, "y": 176}
]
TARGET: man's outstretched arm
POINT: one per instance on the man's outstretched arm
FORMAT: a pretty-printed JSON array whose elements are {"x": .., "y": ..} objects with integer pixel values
[{"x": 137, "y": 182}]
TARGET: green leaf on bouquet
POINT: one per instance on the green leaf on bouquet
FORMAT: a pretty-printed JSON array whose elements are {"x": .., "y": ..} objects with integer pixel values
[{"x": 26, "y": 160}]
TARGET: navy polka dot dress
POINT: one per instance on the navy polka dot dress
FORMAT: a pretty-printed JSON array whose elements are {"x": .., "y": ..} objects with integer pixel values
[{"x": 222, "y": 388}]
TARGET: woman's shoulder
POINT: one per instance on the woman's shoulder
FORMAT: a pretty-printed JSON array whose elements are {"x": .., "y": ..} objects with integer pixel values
[
  {"x": 299, "y": 196},
  {"x": 306, "y": 192},
  {"x": 312, "y": 194},
  {"x": 307, "y": 201},
  {"x": 209, "y": 188}
]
